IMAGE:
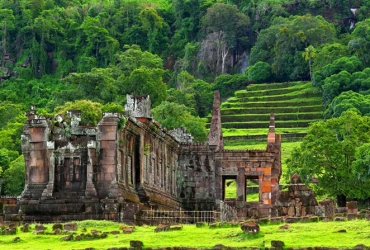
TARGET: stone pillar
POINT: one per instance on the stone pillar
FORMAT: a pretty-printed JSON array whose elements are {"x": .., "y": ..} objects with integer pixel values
[
  {"x": 34, "y": 146},
  {"x": 91, "y": 159},
  {"x": 215, "y": 137},
  {"x": 48, "y": 192},
  {"x": 107, "y": 136},
  {"x": 240, "y": 189},
  {"x": 271, "y": 134}
]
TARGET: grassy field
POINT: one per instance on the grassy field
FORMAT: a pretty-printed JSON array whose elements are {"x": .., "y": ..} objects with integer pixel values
[{"x": 323, "y": 234}]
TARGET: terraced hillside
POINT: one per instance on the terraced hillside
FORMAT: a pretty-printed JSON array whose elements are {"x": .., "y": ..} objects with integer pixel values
[{"x": 247, "y": 114}]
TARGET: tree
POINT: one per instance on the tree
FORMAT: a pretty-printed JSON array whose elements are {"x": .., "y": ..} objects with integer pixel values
[
  {"x": 98, "y": 85},
  {"x": 172, "y": 115},
  {"x": 224, "y": 34},
  {"x": 328, "y": 154},
  {"x": 308, "y": 54},
  {"x": 140, "y": 73},
  {"x": 6, "y": 23},
  {"x": 327, "y": 54},
  {"x": 14, "y": 177},
  {"x": 151, "y": 22},
  {"x": 359, "y": 44},
  {"x": 281, "y": 45},
  {"x": 349, "y": 64},
  {"x": 91, "y": 112},
  {"x": 228, "y": 84},
  {"x": 348, "y": 100},
  {"x": 259, "y": 72}
]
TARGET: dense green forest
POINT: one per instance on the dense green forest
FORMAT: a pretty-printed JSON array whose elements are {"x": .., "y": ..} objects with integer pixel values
[{"x": 59, "y": 54}]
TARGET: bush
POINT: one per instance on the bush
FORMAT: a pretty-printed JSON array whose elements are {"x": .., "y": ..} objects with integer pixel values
[{"x": 259, "y": 72}]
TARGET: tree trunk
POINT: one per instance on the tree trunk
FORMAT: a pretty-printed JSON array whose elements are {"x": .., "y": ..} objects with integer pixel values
[
  {"x": 341, "y": 200},
  {"x": 225, "y": 52}
]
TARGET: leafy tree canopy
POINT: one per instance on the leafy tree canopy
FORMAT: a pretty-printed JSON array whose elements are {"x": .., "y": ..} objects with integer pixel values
[
  {"x": 349, "y": 100},
  {"x": 91, "y": 112},
  {"x": 281, "y": 45},
  {"x": 172, "y": 115},
  {"x": 328, "y": 153},
  {"x": 13, "y": 178},
  {"x": 259, "y": 72}
]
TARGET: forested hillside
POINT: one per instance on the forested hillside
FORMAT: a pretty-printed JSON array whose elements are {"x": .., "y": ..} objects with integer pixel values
[{"x": 59, "y": 54}]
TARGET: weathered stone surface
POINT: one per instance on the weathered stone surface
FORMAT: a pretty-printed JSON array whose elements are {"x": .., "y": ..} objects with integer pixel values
[
  {"x": 67, "y": 238},
  {"x": 58, "y": 226},
  {"x": 351, "y": 216},
  {"x": 277, "y": 244},
  {"x": 340, "y": 219},
  {"x": 9, "y": 231},
  {"x": 40, "y": 227},
  {"x": 136, "y": 244},
  {"x": 250, "y": 227},
  {"x": 162, "y": 228},
  {"x": 292, "y": 219},
  {"x": 128, "y": 230},
  {"x": 70, "y": 226},
  {"x": 176, "y": 228},
  {"x": 25, "y": 228}
]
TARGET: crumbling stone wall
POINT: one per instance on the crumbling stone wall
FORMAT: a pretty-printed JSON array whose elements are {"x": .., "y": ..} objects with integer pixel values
[
  {"x": 129, "y": 163},
  {"x": 205, "y": 167},
  {"x": 298, "y": 201}
]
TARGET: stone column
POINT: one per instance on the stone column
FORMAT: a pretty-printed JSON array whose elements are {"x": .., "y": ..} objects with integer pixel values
[
  {"x": 107, "y": 137},
  {"x": 35, "y": 148},
  {"x": 91, "y": 159},
  {"x": 48, "y": 192},
  {"x": 240, "y": 199}
]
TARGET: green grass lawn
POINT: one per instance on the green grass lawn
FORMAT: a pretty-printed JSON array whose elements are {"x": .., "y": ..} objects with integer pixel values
[{"x": 324, "y": 234}]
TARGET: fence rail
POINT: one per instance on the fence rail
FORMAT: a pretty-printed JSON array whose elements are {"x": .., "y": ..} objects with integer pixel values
[
  {"x": 152, "y": 217},
  {"x": 179, "y": 217}
]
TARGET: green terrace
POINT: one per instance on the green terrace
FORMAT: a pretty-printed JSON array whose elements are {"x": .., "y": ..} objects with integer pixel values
[
  {"x": 276, "y": 110},
  {"x": 295, "y": 104},
  {"x": 266, "y": 117},
  {"x": 313, "y": 101},
  {"x": 259, "y": 124}
]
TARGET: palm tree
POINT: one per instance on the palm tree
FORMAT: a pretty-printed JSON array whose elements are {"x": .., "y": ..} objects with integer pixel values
[{"x": 308, "y": 54}]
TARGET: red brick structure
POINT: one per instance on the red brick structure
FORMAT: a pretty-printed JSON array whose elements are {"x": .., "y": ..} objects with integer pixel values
[{"x": 129, "y": 163}]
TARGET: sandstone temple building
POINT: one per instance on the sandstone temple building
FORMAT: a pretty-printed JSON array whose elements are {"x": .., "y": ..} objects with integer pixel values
[{"x": 129, "y": 163}]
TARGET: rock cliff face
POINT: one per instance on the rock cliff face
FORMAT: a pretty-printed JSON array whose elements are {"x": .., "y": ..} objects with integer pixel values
[{"x": 129, "y": 163}]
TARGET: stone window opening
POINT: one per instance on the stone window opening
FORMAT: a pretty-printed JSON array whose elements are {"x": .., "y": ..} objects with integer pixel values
[
  {"x": 229, "y": 188},
  {"x": 252, "y": 189}
]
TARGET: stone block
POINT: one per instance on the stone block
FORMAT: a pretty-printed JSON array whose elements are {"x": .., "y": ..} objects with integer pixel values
[
  {"x": 292, "y": 219},
  {"x": 277, "y": 244},
  {"x": 352, "y": 207},
  {"x": 70, "y": 226},
  {"x": 351, "y": 216}
]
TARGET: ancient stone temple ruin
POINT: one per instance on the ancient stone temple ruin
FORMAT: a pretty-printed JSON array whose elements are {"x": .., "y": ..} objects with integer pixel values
[{"x": 129, "y": 163}]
